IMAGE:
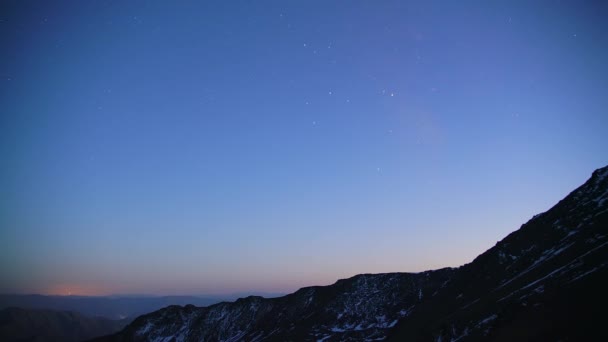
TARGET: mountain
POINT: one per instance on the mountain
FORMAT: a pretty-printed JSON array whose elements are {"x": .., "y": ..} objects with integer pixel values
[
  {"x": 47, "y": 325},
  {"x": 113, "y": 307},
  {"x": 545, "y": 281}
]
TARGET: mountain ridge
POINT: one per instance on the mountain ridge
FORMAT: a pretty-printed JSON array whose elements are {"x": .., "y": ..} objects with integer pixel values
[{"x": 555, "y": 260}]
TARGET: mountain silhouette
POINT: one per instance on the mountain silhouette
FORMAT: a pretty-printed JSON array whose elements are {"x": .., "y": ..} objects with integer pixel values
[{"x": 545, "y": 281}]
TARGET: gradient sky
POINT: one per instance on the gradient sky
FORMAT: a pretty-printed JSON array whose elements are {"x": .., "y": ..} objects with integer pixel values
[{"x": 215, "y": 147}]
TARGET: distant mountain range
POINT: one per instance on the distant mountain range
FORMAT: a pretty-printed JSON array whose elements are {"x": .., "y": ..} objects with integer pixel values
[
  {"x": 545, "y": 281},
  {"x": 112, "y": 307},
  {"x": 48, "y": 325}
]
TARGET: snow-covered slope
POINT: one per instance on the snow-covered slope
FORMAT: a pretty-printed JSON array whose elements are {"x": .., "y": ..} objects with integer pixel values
[{"x": 544, "y": 281}]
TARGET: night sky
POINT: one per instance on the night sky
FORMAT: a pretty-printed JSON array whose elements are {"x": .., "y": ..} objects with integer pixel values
[{"x": 218, "y": 147}]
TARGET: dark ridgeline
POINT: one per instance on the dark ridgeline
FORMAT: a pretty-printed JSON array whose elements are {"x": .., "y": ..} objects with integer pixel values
[{"x": 546, "y": 281}]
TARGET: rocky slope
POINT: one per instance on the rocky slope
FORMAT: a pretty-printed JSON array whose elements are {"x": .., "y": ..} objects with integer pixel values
[{"x": 543, "y": 282}]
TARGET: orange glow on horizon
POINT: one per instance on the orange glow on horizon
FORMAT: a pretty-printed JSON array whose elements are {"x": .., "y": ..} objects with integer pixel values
[{"x": 74, "y": 290}]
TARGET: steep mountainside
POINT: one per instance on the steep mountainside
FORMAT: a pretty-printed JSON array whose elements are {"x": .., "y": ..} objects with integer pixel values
[
  {"x": 543, "y": 282},
  {"x": 46, "y": 325}
]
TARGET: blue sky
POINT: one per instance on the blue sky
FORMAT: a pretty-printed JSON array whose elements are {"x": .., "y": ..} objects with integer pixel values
[{"x": 215, "y": 147}]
